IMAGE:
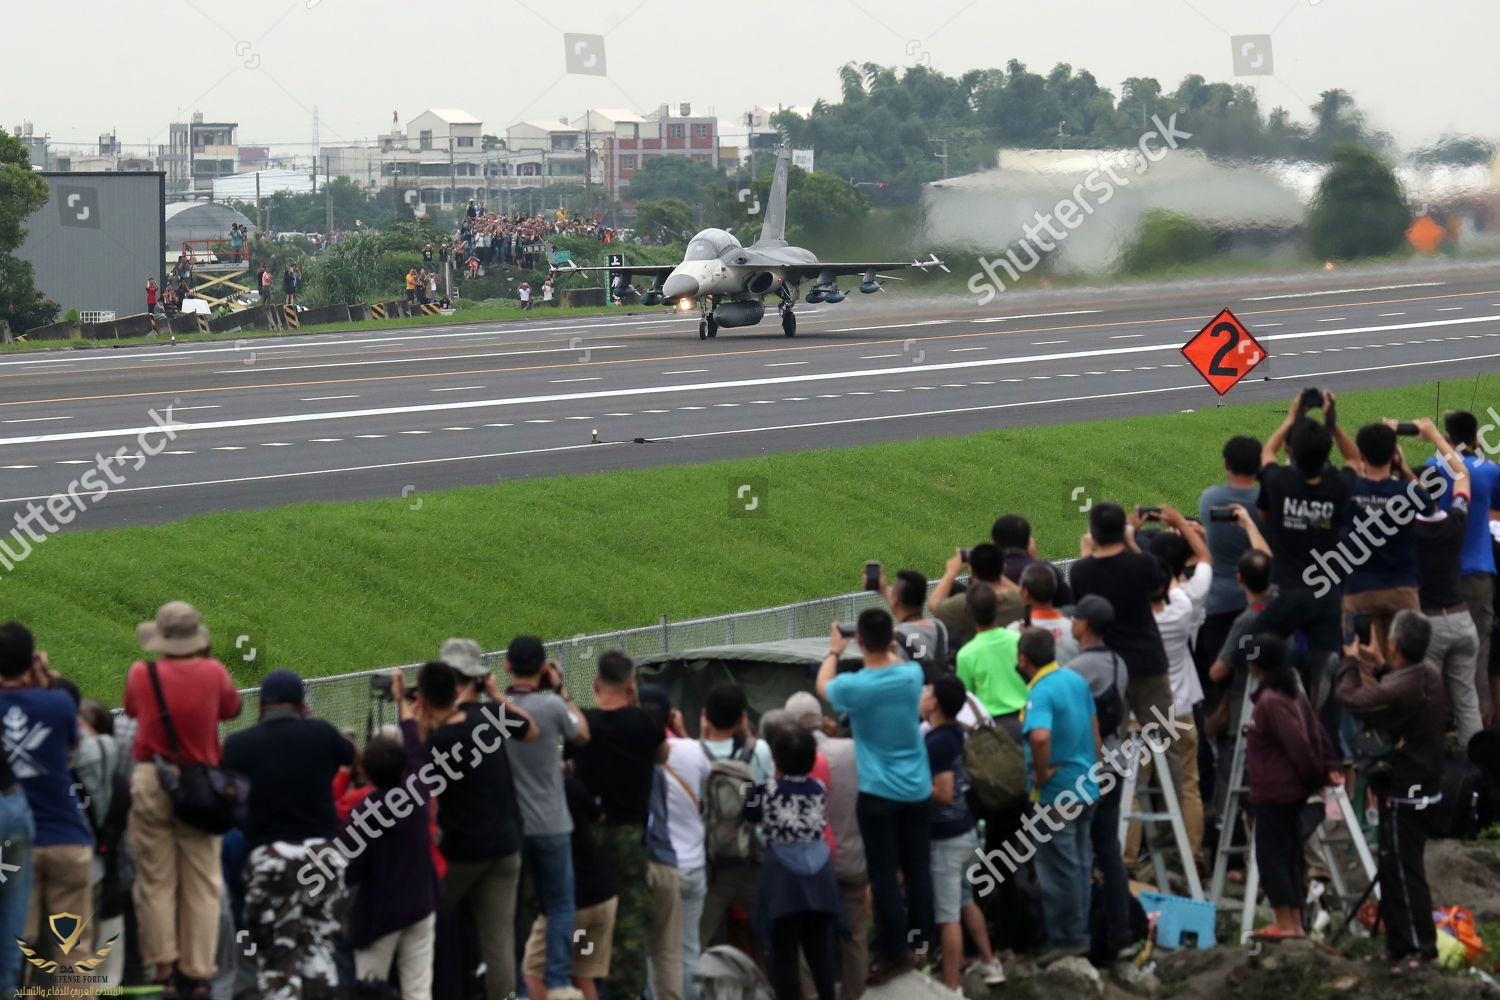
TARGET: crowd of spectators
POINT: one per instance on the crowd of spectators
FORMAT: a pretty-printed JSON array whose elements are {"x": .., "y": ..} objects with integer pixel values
[{"x": 496, "y": 837}]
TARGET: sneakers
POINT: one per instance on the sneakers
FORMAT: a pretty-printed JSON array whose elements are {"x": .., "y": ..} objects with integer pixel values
[
  {"x": 991, "y": 971},
  {"x": 564, "y": 993}
]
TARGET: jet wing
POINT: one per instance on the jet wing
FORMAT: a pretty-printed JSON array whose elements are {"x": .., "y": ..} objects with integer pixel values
[{"x": 797, "y": 273}]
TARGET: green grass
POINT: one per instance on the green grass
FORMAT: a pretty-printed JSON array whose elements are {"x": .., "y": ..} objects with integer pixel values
[{"x": 328, "y": 588}]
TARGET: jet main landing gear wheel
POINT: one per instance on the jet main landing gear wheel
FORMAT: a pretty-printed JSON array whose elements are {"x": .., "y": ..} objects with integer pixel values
[
  {"x": 789, "y": 323},
  {"x": 703, "y": 329},
  {"x": 713, "y": 326}
]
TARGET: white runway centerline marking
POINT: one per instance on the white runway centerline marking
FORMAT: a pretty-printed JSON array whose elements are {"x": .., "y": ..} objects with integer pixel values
[
  {"x": 564, "y": 381},
  {"x": 319, "y": 399},
  {"x": 33, "y": 420},
  {"x": 456, "y": 388},
  {"x": 999, "y": 319},
  {"x": 1345, "y": 291}
]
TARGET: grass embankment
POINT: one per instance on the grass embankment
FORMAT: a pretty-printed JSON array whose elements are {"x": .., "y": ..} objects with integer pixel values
[{"x": 328, "y": 588}]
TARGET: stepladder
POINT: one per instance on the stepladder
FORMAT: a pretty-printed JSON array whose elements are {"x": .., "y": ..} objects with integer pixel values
[
  {"x": 1154, "y": 803},
  {"x": 1338, "y": 829}
]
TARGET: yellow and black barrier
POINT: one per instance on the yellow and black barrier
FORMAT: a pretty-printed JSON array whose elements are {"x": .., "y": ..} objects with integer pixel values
[
  {"x": 430, "y": 309},
  {"x": 377, "y": 311},
  {"x": 291, "y": 316},
  {"x": 202, "y": 323}
]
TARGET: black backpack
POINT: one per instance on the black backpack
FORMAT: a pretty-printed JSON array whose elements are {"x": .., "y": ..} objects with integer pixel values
[
  {"x": 1465, "y": 808},
  {"x": 1110, "y": 706}
]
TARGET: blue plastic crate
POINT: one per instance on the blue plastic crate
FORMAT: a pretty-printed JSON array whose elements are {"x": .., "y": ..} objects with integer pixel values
[{"x": 1181, "y": 916}]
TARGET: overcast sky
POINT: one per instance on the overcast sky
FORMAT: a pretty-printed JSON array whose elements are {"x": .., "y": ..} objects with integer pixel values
[{"x": 75, "y": 69}]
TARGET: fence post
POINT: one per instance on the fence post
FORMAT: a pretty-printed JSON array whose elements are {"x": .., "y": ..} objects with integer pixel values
[{"x": 664, "y": 634}]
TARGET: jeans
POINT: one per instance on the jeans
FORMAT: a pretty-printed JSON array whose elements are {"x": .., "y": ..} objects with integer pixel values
[
  {"x": 549, "y": 858},
  {"x": 17, "y": 833},
  {"x": 897, "y": 838},
  {"x": 694, "y": 883},
  {"x": 1065, "y": 869}
]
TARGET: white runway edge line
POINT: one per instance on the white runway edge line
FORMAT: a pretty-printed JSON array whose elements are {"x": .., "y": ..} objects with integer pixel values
[
  {"x": 713, "y": 434},
  {"x": 1346, "y": 291},
  {"x": 926, "y": 370},
  {"x": 436, "y": 359}
]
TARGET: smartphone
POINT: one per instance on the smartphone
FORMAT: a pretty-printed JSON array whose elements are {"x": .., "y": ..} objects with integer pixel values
[
  {"x": 1408, "y": 429},
  {"x": 964, "y": 554},
  {"x": 1363, "y": 625},
  {"x": 1149, "y": 513},
  {"x": 1221, "y": 513},
  {"x": 847, "y": 631},
  {"x": 872, "y": 576}
]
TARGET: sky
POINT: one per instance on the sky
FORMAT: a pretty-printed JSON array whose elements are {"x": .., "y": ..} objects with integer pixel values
[{"x": 1417, "y": 68}]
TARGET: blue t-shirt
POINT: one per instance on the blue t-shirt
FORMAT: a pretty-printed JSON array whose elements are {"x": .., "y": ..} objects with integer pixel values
[
  {"x": 40, "y": 728},
  {"x": 1062, "y": 704},
  {"x": 945, "y": 752},
  {"x": 1226, "y": 543},
  {"x": 1391, "y": 560},
  {"x": 888, "y": 749},
  {"x": 1484, "y": 496}
]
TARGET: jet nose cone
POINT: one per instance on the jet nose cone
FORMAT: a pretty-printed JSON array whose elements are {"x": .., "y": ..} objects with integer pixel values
[{"x": 680, "y": 286}]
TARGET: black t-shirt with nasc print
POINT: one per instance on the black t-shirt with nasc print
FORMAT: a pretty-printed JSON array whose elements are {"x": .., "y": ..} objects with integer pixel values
[
  {"x": 478, "y": 815},
  {"x": 1300, "y": 519}
]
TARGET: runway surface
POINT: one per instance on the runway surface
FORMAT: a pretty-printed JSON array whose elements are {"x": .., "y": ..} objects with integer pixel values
[{"x": 265, "y": 422}]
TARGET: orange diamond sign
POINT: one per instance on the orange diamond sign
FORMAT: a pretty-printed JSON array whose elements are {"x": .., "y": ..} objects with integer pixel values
[{"x": 1224, "y": 352}]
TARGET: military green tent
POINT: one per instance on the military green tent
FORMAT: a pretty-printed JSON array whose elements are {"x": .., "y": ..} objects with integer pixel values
[{"x": 770, "y": 672}]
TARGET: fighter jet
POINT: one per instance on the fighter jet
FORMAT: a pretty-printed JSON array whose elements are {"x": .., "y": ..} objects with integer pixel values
[{"x": 730, "y": 283}]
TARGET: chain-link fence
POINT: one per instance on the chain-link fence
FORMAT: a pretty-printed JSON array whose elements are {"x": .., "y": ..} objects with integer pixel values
[{"x": 350, "y": 702}]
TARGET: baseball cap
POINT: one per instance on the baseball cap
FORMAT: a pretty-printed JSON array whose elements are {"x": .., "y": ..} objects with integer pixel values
[
  {"x": 465, "y": 656},
  {"x": 281, "y": 687},
  {"x": 805, "y": 710},
  {"x": 1095, "y": 610}
]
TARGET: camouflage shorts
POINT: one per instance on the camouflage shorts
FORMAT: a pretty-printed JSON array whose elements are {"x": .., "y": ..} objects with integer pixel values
[{"x": 293, "y": 921}]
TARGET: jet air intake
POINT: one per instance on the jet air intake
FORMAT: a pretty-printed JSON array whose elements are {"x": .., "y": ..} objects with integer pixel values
[
  {"x": 732, "y": 314},
  {"x": 762, "y": 283}
]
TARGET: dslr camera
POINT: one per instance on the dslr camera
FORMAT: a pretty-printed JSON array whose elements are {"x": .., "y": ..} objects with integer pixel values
[
  {"x": 380, "y": 686},
  {"x": 1312, "y": 399}
]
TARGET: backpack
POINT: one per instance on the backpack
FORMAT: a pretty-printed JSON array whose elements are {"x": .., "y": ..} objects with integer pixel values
[
  {"x": 1465, "y": 808},
  {"x": 727, "y": 836},
  {"x": 935, "y": 660},
  {"x": 1110, "y": 706},
  {"x": 996, "y": 765}
]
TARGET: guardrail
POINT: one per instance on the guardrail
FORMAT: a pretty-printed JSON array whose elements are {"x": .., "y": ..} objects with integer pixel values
[{"x": 346, "y": 699}]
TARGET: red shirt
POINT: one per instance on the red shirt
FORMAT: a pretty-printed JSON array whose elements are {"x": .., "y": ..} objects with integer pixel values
[{"x": 198, "y": 692}]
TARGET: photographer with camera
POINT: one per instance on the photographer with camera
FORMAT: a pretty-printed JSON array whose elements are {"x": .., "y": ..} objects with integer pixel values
[
  {"x": 1477, "y": 579},
  {"x": 1381, "y": 540},
  {"x": 546, "y": 825},
  {"x": 1227, "y": 541},
  {"x": 1399, "y": 698},
  {"x": 1304, "y": 509},
  {"x": 986, "y": 566},
  {"x": 1441, "y": 535},
  {"x": 895, "y": 784}
]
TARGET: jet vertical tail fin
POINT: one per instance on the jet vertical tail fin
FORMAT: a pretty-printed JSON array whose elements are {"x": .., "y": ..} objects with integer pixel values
[{"x": 773, "y": 230}]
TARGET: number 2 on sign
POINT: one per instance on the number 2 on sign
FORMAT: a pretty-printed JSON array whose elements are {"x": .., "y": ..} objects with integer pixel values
[{"x": 1217, "y": 367}]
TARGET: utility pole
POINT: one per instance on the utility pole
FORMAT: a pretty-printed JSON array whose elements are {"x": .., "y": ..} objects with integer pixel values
[
  {"x": 315, "y": 150},
  {"x": 259, "y": 217},
  {"x": 588, "y": 164},
  {"x": 452, "y": 175}
]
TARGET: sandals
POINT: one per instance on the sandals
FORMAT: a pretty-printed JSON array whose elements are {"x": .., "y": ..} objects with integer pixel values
[{"x": 1412, "y": 965}]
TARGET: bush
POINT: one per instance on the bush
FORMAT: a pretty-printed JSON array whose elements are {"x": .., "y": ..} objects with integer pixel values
[
  {"x": 1360, "y": 209},
  {"x": 469, "y": 305},
  {"x": 1166, "y": 240}
]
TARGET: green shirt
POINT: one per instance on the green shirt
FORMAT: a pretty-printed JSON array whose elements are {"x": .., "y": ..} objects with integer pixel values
[{"x": 987, "y": 666}]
